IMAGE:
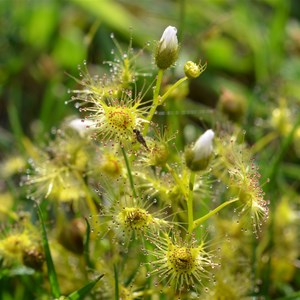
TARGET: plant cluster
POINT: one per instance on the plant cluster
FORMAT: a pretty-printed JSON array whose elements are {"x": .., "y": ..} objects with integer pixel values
[{"x": 130, "y": 208}]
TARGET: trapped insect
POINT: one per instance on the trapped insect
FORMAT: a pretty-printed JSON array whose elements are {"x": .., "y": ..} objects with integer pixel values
[{"x": 140, "y": 138}]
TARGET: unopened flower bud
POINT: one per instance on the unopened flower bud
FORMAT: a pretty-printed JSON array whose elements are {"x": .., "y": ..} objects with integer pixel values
[
  {"x": 167, "y": 49},
  {"x": 110, "y": 165},
  {"x": 232, "y": 104},
  {"x": 72, "y": 236},
  {"x": 281, "y": 118},
  {"x": 33, "y": 258},
  {"x": 198, "y": 156},
  {"x": 193, "y": 70},
  {"x": 82, "y": 126}
]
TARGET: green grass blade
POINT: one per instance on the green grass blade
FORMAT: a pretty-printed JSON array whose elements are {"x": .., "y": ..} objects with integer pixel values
[
  {"x": 79, "y": 294},
  {"x": 87, "y": 245},
  {"x": 50, "y": 266},
  {"x": 120, "y": 20},
  {"x": 294, "y": 296},
  {"x": 15, "y": 124},
  {"x": 274, "y": 166},
  {"x": 116, "y": 283}
]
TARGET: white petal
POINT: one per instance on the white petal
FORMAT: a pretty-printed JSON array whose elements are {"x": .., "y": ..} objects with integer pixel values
[
  {"x": 203, "y": 146},
  {"x": 82, "y": 126},
  {"x": 169, "y": 38}
]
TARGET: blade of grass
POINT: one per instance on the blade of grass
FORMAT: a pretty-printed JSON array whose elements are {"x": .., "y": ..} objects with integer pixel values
[
  {"x": 79, "y": 294},
  {"x": 294, "y": 296},
  {"x": 120, "y": 20},
  {"x": 291, "y": 171},
  {"x": 277, "y": 160},
  {"x": 87, "y": 245},
  {"x": 15, "y": 124},
  {"x": 116, "y": 283},
  {"x": 50, "y": 266}
]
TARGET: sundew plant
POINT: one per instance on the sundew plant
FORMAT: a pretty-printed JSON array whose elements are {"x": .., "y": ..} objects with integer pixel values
[{"x": 125, "y": 211}]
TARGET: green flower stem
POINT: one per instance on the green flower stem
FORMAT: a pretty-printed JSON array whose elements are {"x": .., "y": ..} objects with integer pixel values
[
  {"x": 158, "y": 85},
  {"x": 190, "y": 202},
  {"x": 171, "y": 89},
  {"x": 156, "y": 100},
  {"x": 129, "y": 172},
  {"x": 160, "y": 100},
  {"x": 213, "y": 212}
]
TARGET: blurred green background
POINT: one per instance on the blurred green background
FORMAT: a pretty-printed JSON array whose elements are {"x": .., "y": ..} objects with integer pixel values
[
  {"x": 252, "y": 45},
  {"x": 252, "y": 48}
]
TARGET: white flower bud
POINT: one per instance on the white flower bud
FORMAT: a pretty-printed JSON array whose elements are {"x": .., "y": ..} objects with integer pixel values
[
  {"x": 83, "y": 127},
  {"x": 203, "y": 147},
  {"x": 198, "y": 157},
  {"x": 169, "y": 39},
  {"x": 167, "y": 49}
]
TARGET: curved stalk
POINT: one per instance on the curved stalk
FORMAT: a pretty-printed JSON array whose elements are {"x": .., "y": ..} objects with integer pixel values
[
  {"x": 157, "y": 100},
  {"x": 213, "y": 212},
  {"x": 171, "y": 89}
]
